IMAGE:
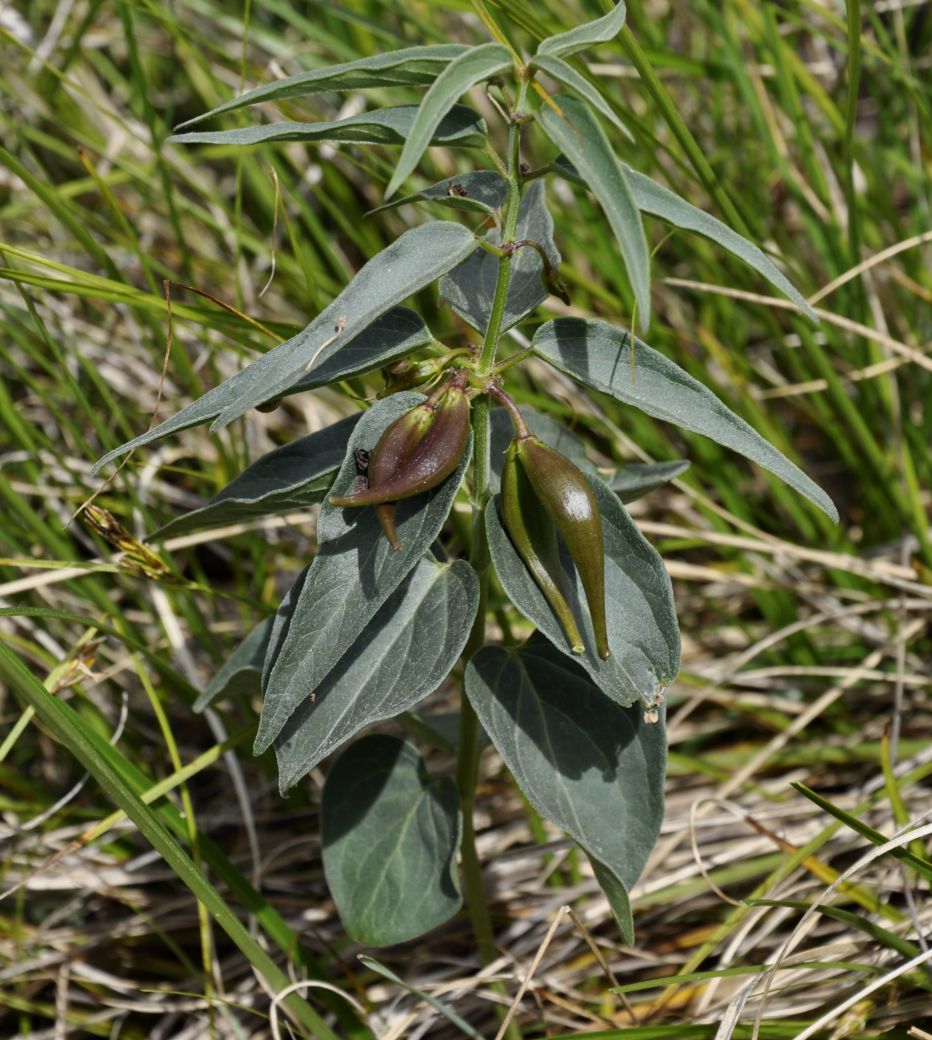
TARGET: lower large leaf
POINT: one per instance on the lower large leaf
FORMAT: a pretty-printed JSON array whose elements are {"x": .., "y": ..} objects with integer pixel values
[
  {"x": 390, "y": 834},
  {"x": 594, "y": 768},
  {"x": 601, "y": 356},
  {"x": 353, "y": 574},
  {"x": 643, "y": 635},
  {"x": 404, "y": 653}
]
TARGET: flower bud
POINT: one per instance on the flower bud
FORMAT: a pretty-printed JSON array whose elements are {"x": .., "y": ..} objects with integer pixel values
[
  {"x": 545, "y": 495},
  {"x": 416, "y": 453}
]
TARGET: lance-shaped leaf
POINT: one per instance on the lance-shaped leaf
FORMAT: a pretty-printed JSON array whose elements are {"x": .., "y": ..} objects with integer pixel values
[
  {"x": 409, "y": 67},
  {"x": 659, "y": 201},
  {"x": 291, "y": 477},
  {"x": 643, "y": 635},
  {"x": 460, "y": 126},
  {"x": 550, "y": 432},
  {"x": 635, "y": 479},
  {"x": 353, "y": 574},
  {"x": 403, "y": 654},
  {"x": 390, "y": 833},
  {"x": 483, "y": 191},
  {"x": 577, "y": 134},
  {"x": 599, "y": 355},
  {"x": 565, "y": 74},
  {"x": 594, "y": 768},
  {"x": 397, "y": 332},
  {"x": 583, "y": 36},
  {"x": 465, "y": 71},
  {"x": 242, "y": 670},
  {"x": 470, "y": 287},
  {"x": 412, "y": 261}
]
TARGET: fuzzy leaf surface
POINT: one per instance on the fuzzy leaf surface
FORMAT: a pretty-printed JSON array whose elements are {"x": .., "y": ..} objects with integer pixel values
[
  {"x": 403, "y": 654},
  {"x": 390, "y": 833},
  {"x": 352, "y": 575},
  {"x": 567, "y": 76},
  {"x": 242, "y": 670},
  {"x": 397, "y": 332},
  {"x": 485, "y": 190},
  {"x": 291, "y": 477},
  {"x": 470, "y": 287},
  {"x": 659, "y": 201},
  {"x": 641, "y": 619},
  {"x": 415, "y": 259},
  {"x": 599, "y": 355},
  {"x": 597, "y": 31},
  {"x": 409, "y": 67},
  {"x": 578, "y": 135},
  {"x": 460, "y": 126},
  {"x": 593, "y": 767},
  {"x": 465, "y": 71}
]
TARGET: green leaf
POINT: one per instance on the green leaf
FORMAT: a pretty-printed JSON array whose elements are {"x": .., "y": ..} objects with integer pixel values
[
  {"x": 594, "y": 768},
  {"x": 599, "y": 355},
  {"x": 460, "y": 126},
  {"x": 241, "y": 673},
  {"x": 578, "y": 135},
  {"x": 465, "y": 71},
  {"x": 485, "y": 192},
  {"x": 583, "y": 36},
  {"x": 403, "y": 654},
  {"x": 410, "y": 67},
  {"x": 634, "y": 479},
  {"x": 397, "y": 332},
  {"x": 617, "y": 895},
  {"x": 412, "y": 261},
  {"x": 353, "y": 574},
  {"x": 549, "y": 430},
  {"x": 470, "y": 287},
  {"x": 642, "y": 630},
  {"x": 291, "y": 477},
  {"x": 390, "y": 834},
  {"x": 565, "y": 74},
  {"x": 659, "y": 201},
  {"x": 109, "y": 769}
]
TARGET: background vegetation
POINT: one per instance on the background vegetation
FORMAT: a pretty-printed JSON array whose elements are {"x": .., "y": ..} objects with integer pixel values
[{"x": 806, "y": 647}]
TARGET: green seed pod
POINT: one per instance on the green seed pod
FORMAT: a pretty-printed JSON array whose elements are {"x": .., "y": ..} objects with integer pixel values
[
  {"x": 560, "y": 491},
  {"x": 415, "y": 454},
  {"x": 535, "y": 537}
]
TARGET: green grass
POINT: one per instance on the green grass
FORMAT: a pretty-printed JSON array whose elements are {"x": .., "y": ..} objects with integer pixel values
[{"x": 801, "y": 125}]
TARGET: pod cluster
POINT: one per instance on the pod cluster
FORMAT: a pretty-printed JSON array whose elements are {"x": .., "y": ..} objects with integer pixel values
[
  {"x": 416, "y": 453},
  {"x": 546, "y": 498}
]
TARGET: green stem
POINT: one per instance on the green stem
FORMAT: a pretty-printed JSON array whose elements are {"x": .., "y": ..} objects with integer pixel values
[
  {"x": 468, "y": 751},
  {"x": 513, "y": 203}
]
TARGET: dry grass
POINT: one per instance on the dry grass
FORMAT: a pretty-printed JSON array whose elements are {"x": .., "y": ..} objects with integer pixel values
[{"x": 806, "y": 652}]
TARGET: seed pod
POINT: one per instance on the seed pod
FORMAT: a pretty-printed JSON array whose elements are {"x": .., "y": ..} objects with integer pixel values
[
  {"x": 558, "y": 490},
  {"x": 535, "y": 537},
  {"x": 416, "y": 452}
]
